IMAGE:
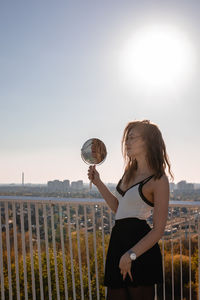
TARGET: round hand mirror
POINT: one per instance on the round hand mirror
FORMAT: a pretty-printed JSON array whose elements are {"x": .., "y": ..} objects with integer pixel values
[{"x": 93, "y": 152}]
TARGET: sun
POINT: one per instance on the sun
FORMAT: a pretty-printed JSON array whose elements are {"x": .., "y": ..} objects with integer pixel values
[{"x": 156, "y": 57}]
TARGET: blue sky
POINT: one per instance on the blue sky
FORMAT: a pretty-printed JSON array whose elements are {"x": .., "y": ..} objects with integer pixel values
[{"x": 60, "y": 84}]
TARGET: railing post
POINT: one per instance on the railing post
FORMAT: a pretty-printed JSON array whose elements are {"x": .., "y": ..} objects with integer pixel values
[
  {"x": 95, "y": 251},
  {"x": 71, "y": 251},
  {"x": 181, "y": 260},
  {"x": 63, "y": 251},
  {"x": 1, "y": 260},
  {"x": 55, "y": 253},
  {"x": 190, "y": 277},
  {"x": 198, "y": 254},
  {"x": 172, "y": 255},
  {"x": 163, "y": 261},
  {"x": 16, "y": 251},
  {"x": 79, "y": 252},
  {"x": 39, "y": 251},
  {"x": 47, "y": 251},
  {"x": 87, "y": 253},
  {"x": 8, "y": 251}
]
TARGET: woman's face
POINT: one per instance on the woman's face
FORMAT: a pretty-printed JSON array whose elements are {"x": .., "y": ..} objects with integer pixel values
[{"x": 135, "y": 144}]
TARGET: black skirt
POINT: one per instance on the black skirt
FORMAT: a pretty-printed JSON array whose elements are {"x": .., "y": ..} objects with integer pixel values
[{"x": 146, "y": 269}]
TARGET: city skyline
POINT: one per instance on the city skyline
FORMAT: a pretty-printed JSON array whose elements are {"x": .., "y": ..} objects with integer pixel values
[
  {"x": 69, "y": 182},
  {"x": 68, "y": 74}
]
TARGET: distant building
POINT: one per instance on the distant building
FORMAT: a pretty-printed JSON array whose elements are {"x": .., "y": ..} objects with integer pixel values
[
  {"x": 58, "y": 186},
  {"x": 66, "y": 185},
  {"x": 196, "y": 186},
  {"x": 54, "y": 186},
  {"x": 190, "y": 186},
  {"x": 184, "y": 186},
  {"x": 77, "y": 185},
  {"x": 172, "y": 186},
  {"x": 181, "y": 185}
]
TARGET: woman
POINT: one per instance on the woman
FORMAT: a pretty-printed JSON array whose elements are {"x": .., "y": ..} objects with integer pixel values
[{"x": 134, "y": 260}]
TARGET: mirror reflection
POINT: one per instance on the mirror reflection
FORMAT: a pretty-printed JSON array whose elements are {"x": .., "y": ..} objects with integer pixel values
[{"x": 93, "y": 151}]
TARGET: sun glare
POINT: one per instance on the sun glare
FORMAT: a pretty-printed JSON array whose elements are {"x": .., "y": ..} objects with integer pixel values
[{"x": 157, "y": 57}]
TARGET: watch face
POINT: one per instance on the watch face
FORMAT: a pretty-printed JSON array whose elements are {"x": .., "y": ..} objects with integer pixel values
[{"x": 133, "y": 256}]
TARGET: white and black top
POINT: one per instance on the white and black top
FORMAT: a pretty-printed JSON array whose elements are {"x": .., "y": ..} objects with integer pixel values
[{"x": 132, "y": 202}]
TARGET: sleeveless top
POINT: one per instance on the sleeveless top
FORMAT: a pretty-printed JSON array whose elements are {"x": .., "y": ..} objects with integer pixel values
[{"x": 132, "y": 202}]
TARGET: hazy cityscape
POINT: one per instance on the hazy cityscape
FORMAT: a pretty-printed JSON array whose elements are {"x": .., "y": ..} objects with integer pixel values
[{"x": 181, "y": 190}]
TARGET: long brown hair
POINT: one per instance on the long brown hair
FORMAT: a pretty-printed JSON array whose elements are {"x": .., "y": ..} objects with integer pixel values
[{"x": 157, "y": 157}]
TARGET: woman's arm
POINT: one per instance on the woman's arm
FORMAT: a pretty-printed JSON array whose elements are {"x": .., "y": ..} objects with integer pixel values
[
  {"x": 160, "y": 214},
  {"x": 108, "y": 196},
  {"x": 111, "y": 200}
]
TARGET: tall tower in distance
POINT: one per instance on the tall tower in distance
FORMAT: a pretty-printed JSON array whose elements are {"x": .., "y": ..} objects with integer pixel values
[{"x": 23, "y": 178}]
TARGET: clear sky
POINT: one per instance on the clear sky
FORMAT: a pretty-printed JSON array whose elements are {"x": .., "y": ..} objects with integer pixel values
[{"x": 61, "y": 82}]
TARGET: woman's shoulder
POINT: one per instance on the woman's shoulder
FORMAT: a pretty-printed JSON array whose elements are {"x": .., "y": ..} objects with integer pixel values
[
  {"x": 161, "y": 184},
  {"x": 162, "y": 178},
  {"x": 162, "y": 181},
  {"x": 161, "y": 190}
]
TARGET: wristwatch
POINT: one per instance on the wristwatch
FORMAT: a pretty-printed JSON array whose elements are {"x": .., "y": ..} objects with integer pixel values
[{"x": 132, "y": 255}]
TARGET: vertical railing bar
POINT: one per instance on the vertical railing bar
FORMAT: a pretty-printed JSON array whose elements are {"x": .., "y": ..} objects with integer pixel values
[
  {"x": 39, "y": 251},
  {"x": 79, "y": 252},
  {"x": 71, "y": 251},
  {"x": 102, "y": 229},
  {"x": 189, "y": 235},
  {"x": 181, "y": 259},
  {"x": 47, "y": 251},
  {"x": 103, "y": 240},
  {"x": 31, "y": 252},
  {"x": 198, "y": 255},
  {"x": 163, "y": 261},
  {"x": 16, "y": 251},
  {"x": 95, "y": 251},
  {"x": 172, "y": 254},
  {"x": 54, "y": 252},
  {"x": 155, "y": 289},
  {"x": 63, "y": 252},
  {"x": 8, "y": 251},
  {"x": 87, "y": 253},
  {"x": 23, "y": 249},
  {"x": 110, "y": 220},
  {"x": 1, "y": 260}
]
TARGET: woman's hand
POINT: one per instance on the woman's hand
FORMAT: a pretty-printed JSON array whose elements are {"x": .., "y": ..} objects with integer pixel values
[
  {"x": 125, "y": 266},
  {"x": 93, "y": 175}
]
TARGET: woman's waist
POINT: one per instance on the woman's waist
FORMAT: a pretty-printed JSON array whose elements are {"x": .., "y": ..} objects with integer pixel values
[
  {"x": 132, "y": 221},
  {"x": 133, "y": 228},
  {"x": 135, "y": 214}
]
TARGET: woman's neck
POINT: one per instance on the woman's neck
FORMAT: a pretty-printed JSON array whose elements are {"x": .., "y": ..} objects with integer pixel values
[{"x": 142, "y": 168}]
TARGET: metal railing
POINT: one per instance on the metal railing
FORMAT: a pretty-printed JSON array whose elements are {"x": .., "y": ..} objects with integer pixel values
[{"x": 55, "y": 248}]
